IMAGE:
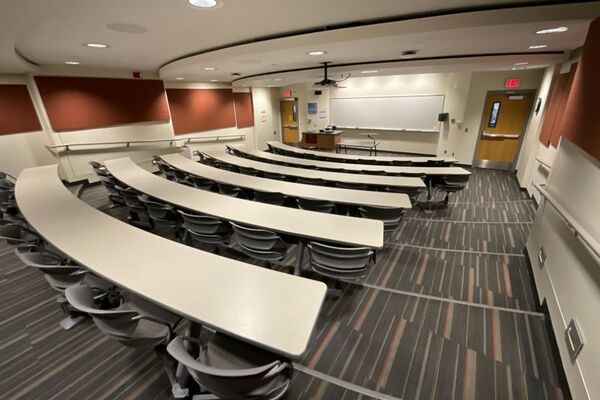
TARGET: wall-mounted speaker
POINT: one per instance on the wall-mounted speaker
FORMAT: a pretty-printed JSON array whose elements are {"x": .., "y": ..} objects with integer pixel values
[{"x": 443, "y": 117}]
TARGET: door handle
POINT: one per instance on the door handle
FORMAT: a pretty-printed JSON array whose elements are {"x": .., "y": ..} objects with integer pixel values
[
  {"x": 499, "y": 135},
  {"x": 291, "y": 126}
]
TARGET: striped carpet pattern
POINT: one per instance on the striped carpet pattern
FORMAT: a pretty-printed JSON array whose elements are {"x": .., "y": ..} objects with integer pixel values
[{"x": 446, "y": 312}]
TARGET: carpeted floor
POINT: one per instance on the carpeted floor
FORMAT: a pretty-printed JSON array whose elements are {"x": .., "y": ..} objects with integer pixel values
[{"x": 447, "y": 312}]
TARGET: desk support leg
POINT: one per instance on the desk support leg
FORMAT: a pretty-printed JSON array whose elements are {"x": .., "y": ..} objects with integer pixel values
[{"x": 300, "y": 256}]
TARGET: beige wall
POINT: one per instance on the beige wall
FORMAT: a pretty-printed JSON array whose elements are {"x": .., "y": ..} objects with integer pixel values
[{"x": 25, "y": 150}]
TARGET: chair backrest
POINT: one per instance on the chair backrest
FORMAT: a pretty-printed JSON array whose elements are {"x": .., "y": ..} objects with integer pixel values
[
  {"x": 202, "y": 183},
  {"x": 157, "y": 209},
  {"x": 257, "y": 239},
  {"x": 119, "y": 324},
  {"x": 99, "y": 169},
  {"x": 339, "y": 262},
  {"x": 311, "y": 181},
  {"x": 398, "y": 163},
  {"x": 353, "y": 186},
  {"x": 391, "y": 216},
  {"x": 272, "y": 175},
  {"x": 274, "y": 198},
  {"x": 129, "y": 195},
  {"x": 367, "y": 161},
  {"x": 206, "y": 159},
  {"x": 248, "y": 171},
  {"x": 429, "y": 163},
  {"x": 234, "y": 370},
  {"x": 231, "y": 190},
  {"x": 59, "y": 273},
  {"x": 371, "y": 172},
  {"x": 324, "y": 206},
  {"x": 227, "y": 166},
  {"x": 204, "y": 224},
  {"x": 16, "y": 234}
]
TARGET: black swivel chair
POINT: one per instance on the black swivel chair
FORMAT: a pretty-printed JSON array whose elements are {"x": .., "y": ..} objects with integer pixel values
[{"x": 204, "y": 231}]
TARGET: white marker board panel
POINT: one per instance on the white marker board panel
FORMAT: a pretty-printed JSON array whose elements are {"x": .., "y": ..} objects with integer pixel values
[{"x": 401, "y": 113}]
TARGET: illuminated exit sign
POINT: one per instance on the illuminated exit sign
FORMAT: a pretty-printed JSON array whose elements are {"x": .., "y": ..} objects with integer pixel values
[
  {"x": 287, "y": 93},
  {"x": 512, "y": 83}
]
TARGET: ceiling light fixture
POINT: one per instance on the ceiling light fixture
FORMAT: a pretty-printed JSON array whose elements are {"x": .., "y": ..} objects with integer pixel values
[
  {"x": 521, "y": 63},
  {"x": 409, "y": 54},
  {"x": 538, "y": 46},
  {"x": 210, "y": 69},
  {"x": 371, "y": 71},
  {"x": 179, "y": 79},
  {"x": 204, "y": 3},
  {"x": 72, "y": 62},
  {"x": 277, "y": 79},
  {"x": 96, "y": 45},
  {"x": 559, "y": 29},
  {"x": 316, "y": 53},
  {"x": 214, "y": 80}
]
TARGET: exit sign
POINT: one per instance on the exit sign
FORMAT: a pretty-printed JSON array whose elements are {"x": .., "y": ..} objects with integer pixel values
[
  {"x": 287, "y": 93},
  {"x": 512, "y": 83}
]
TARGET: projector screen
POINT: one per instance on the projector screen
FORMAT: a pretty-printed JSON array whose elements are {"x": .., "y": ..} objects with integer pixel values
[{"x": 399, "y": 113}]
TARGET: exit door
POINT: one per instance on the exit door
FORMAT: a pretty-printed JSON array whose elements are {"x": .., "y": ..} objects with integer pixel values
[
  {"x": 289, "y": 121},
  {"x": 504, "y": 120}
]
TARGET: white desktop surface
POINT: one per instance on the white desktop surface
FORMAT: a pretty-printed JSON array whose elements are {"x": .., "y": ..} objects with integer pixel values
[
  {"x": 444, "y": 171},
  {"x": 336, "y": 195},
  {"x": 295, "y": 222},
  {"x": 282, "y": 146},
  {"x": 381, "y": 180},
  {"x": 269, "y": 309}
]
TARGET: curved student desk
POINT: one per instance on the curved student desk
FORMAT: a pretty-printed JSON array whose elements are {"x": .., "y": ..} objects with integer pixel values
[
  {"x": 333, "y": 194},
  {"x": 301, "y": 224},
  {"x": 268, "y": 309},
  {"x": 371, "y": 180},
  {"x": 355, "y": 158},
  {"x": 355, "y": 168}
]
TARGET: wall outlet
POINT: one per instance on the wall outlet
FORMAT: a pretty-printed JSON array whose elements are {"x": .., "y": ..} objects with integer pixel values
[
  {"x": 445, "y": 151},
  {"x": 452, "y": 154}
]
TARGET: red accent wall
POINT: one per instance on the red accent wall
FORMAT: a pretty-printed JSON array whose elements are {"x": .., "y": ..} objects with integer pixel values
[
  {"x": 559, "y": 94},
  {"x": 195, "y": 110},
  {"x": 17, "y": 113},
  {"x": 244, "y": 111},
  {"x": 74, "y": 103},
  {"x": 581, "y": 120}
]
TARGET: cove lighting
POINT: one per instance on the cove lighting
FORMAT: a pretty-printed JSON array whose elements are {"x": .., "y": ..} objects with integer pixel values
[
  {"x": 210, "y": 69},
  {"x": 559, "y": 29},
  {"x": 538, "y": 46},
  {"x": 203, "y": 3},
  {"x": 72, "y": 62},
  {"x": 316, "y": 53},
  {"x": 372, "y": 71},
  {"x": 179, "y": 79},
  {"x": 96, "y": 45}
]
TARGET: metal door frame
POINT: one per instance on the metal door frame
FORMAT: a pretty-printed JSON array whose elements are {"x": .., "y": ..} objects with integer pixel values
[
  {"x": 294, "y": 99},
  {"x": 493, "y": 164}
]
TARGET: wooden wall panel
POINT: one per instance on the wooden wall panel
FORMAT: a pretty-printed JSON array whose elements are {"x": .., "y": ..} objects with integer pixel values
[
  {"x": 581, "y": 121},
  {"x": 74, "y": 103},
  {"x": 196, "y": 110},
  {"x": 244, "y": 110},
  {"x": 559, "y": 95},
  {"x": 17, "y": 113}
]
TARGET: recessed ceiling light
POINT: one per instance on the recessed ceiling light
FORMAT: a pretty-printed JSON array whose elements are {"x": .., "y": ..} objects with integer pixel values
[
  {"x": 96, "y": 45},
  {"x": 316, "y": 53},
  {"x": 277, "y": 79},
  {"x": 514, "y": 68},
  {"x": 203, "y": 3},
  {"x": 179, "y": 78},
  {"x": 409, "y": 54},
  {"x": 559, "y": 29},
  {"x": 214, "y": 80},
  {"x": 371, "y": 71},
  {"x": 210, "y": 69},
  {"x": 538, "y": 46},
  {"x": 72, "y": 62},
  {"x": 521, "y": 63}
]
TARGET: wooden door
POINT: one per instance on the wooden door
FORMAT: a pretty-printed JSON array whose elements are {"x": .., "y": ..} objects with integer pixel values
[
  {"x": 289, "y": 121},
  {"x": 504, "y": 120}
]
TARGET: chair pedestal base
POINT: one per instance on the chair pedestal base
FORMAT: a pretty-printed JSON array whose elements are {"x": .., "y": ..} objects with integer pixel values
[{"x": 70, "y": 322}]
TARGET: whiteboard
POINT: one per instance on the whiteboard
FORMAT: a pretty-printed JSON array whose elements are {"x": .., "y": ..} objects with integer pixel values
[{"x": 401, "y": 113}]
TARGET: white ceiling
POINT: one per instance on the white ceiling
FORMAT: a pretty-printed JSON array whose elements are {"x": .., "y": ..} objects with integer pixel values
[{"x": 51, "y": 32}]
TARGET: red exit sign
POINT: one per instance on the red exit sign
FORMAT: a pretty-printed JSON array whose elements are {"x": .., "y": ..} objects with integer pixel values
[
  {"x": 512, "y": 83},
  {"x": 287, "y": 93}
]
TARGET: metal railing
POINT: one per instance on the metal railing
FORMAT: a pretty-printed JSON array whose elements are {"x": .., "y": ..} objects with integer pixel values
[
  {"x": 544, "y": 164},
  {"x": 580, "y": 233},
  {"x": 127, "y": 143}
]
